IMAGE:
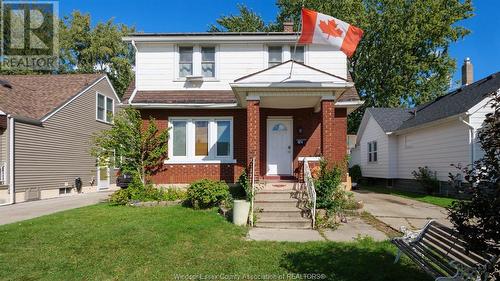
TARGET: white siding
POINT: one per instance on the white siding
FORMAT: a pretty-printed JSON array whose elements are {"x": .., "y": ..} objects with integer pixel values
[
  {"x": 157, "y": 67},
  {"x": 378, "y": 169},
  {"x": 436, "y": 147},
  {"x": 393, "y": 156},
  {"x": 476, "y": 119},
  {"x": 354, "y": 157}
]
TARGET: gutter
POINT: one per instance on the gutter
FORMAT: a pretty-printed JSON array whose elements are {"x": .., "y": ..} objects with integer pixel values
[
  {"x": 471, "y": 136},
  {"x": 183, "y": 105}
]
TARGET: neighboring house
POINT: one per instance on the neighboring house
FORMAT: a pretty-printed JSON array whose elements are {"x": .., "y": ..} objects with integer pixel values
[
  {"x": 393, "y": 142},
  {"x": 46, "y": 126},
  {"x": 229, "y": 98}
]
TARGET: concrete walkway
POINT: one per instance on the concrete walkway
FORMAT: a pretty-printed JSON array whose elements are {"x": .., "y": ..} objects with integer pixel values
[
  {"x": 346, "y": 232},
  {"x": 396, "y": 211},
  {"x": 33, "y": 209}
]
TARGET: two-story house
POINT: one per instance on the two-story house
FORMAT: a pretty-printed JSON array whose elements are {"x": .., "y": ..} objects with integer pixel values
[
  {"x": 46, "y": 127},
  {"x": 233, "y": 98}
]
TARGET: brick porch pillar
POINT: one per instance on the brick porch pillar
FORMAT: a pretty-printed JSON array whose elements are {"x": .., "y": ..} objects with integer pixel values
[
  {"x": 327, "y": 130},
  {"x": 253, "y": 134},
  {"x": 340, "y": 129}
]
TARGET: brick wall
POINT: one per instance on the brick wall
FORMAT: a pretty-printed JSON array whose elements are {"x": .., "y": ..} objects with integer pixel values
[
  {"x": 333, "y": 141},
  {"x": 187, "y": 173},
  {"x": 253, "y": 135},
  {"x": 308, "y": 121}
]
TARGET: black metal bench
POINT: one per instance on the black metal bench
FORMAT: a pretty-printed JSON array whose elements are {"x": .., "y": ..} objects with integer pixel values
[{"x": 439, "y": 251}]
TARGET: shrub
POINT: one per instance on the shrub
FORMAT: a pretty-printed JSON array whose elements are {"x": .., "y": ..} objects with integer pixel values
[
  {"x": 172, "y": 194},
  {"x": 244, "y": 182},
  {"x": 136, "y": 191},
  {"x": 120, "y": 197},
  {"x": 427, "y": 179},
  {"x": 206, "y": 193},
  {"x": 326, "y": 183},
  {"x": 355, "y": 173}
]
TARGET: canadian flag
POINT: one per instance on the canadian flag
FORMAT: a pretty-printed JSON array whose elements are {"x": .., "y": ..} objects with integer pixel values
[{"x": 323, "y": 29}]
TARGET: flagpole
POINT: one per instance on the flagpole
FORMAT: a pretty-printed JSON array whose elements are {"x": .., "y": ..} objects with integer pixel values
[{"x": 295, "y": 47}]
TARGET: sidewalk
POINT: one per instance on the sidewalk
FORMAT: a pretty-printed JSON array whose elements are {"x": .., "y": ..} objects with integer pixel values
[{"x": 33, "y": 209}]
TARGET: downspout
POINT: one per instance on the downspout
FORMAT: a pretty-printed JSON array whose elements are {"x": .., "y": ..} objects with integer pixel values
[{"x": 471, "y": 135}]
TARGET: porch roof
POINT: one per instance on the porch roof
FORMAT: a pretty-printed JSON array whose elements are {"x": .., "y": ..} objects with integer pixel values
[{"x": 294, "y": 86}]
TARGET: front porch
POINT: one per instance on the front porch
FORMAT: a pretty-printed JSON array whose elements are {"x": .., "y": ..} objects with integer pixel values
[{"x": 294, "y": 111}]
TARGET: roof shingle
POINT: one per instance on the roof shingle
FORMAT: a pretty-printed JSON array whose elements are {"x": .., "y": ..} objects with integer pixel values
[{"x": 35, "y": 96}]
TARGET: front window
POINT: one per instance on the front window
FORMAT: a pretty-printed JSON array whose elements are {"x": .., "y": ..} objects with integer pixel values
[
  {"x": 104, "y": 108},
  {"x": 198, "y": 140},
  {"x": 275, "y": 55},
  {"x": 372, "y": 151},
  {"x": 185, "y": 61},
  {"x": 208, "y": 61},
  {"x": 297, "y": 53},
  {"x": 201, "y": 138}
]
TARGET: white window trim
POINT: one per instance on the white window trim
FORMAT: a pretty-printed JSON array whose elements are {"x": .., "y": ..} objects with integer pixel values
[
  {"x": 371, "y": 152},
  {"x": 212, "y": 157},
  {"x": 196, "y": 62},
  {"x": 97, "y": 94}
]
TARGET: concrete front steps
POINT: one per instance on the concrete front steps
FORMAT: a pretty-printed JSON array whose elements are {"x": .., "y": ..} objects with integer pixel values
[{"x": 277, "y": 205}]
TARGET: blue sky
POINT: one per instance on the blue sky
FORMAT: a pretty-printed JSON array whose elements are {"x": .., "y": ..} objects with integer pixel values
[{"x": 482, "y": 45}]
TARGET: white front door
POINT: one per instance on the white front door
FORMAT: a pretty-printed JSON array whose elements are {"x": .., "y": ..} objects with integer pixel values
[
  {"x": 102, "y": 177},
  {"x": 279, "y": 146}
]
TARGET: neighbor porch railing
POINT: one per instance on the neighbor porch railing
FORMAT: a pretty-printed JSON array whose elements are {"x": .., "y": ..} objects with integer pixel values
[
  {"x": 252, "y": 182},
  {"x": 311, "y": 192}
]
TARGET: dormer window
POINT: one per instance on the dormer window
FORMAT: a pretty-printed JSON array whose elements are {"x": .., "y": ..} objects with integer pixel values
[
  {"x": 185, "y": 61},
  {"x": 208, "y": 61},
  {"x": 275, "y": 55}
]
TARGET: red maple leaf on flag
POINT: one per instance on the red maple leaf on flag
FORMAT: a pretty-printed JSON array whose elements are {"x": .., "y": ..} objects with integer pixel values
[{"x": 330, "y": 28}]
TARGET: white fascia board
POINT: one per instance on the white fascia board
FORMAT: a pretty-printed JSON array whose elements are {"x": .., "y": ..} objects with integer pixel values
[
  {"x": 213, "y": 39},
  {"x": 184, "y": 105},
  {"x": 2, "y": 113},
  {"x": 356, "y": 103},
  {"x": 132, "y": 96}
]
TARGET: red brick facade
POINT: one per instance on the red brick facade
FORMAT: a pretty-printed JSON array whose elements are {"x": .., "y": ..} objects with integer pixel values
[{"x": 325, "y": 133}]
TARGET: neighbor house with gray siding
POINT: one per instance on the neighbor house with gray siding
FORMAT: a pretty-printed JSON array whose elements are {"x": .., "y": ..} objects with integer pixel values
[
  {"x": 46, "y": 127},
  {"x": 393, "y": 142}
]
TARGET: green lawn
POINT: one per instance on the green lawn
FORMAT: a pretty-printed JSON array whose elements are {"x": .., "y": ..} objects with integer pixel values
[
  {"x": 103, "y": 242},
  {"x": 435, "y": 200}
]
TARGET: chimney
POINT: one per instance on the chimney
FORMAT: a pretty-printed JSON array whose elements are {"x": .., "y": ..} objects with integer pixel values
[
  {"x": 288, "y": 26},
  {"x": 467, "y": 72}
]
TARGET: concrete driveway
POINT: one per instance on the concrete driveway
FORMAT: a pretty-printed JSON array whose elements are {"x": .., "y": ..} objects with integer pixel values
[
  {"x": 396, "y": 211},
  {"x": 33, "y": 209}
]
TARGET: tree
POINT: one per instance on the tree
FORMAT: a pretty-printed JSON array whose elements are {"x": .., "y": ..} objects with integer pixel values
[
  {"x": 402, "y": 60},
  {"x": 141, "y": 145},
  {"x": 100, "y": 49},
  {"x": 247, "y": 21},
  {"x": 478, "y": 220}
]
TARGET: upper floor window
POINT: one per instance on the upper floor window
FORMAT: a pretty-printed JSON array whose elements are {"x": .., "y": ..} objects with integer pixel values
[
  {"x": 297, "y": 53},
  {"x": 275, "y": 55},
  {"x": 185, "y": 61},
  {"x": 372, "y": 151},
  {"x": 208, "y": 61},
  {"x": 105, "y": 108}
]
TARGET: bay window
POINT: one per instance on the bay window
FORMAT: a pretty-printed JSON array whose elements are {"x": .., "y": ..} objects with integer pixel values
[{"x": 200, "y": 140}]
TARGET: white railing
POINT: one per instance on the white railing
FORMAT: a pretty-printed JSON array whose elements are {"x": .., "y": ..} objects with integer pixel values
[
  {"x": 3, "y": 170},
  {"x": 311, "y": 192},
  {"x": 252, "y": 167}
]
